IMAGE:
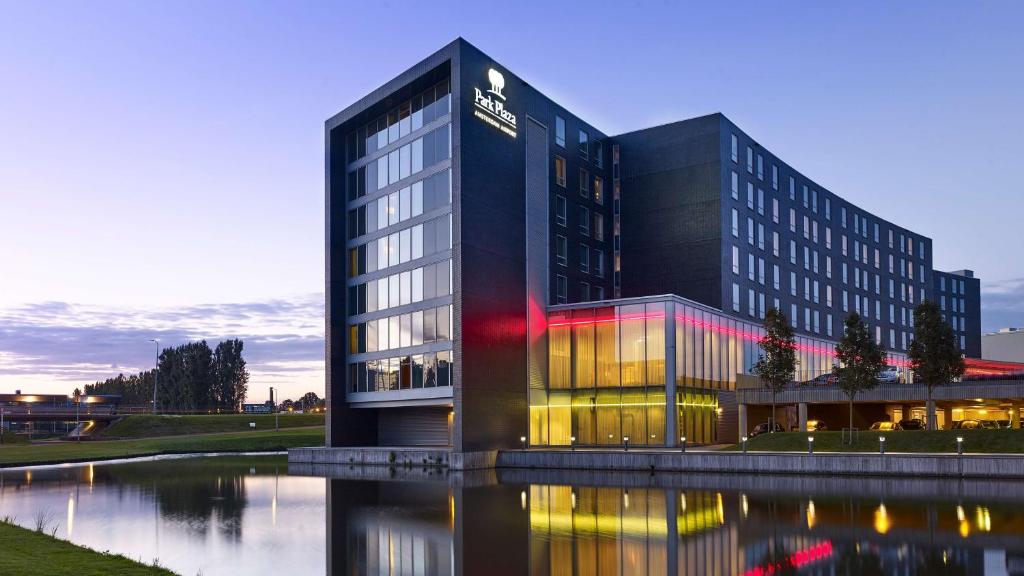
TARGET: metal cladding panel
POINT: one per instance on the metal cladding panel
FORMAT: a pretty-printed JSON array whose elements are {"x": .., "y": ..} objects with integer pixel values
[
  {"x": 490, "y": 246},
  {"x": 672, "y": 210},
  {"x": 413, "y": 427},
  {"x": 537, "y": 250}
]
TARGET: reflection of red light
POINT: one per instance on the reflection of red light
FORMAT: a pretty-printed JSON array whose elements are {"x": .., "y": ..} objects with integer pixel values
[
  {"x": 796, "y": 559},
  {"x": 561, "y": 321}
]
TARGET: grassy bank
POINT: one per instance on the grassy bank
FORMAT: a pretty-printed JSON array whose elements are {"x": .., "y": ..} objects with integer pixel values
[
  {"x": 937, "y": 441},
  {"x": 28, "y": 552},
  {"x": 148, "y": 426},
  {"x": 252, "y": 441}
]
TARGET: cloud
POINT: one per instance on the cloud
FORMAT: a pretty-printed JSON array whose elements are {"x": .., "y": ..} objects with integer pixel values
[
  {"x": 71, "y": 344},
  {"x": 1002, "y": 304}
]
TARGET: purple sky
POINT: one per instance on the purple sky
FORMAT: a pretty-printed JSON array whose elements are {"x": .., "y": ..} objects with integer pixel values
[{"x": 161, "y": 163}]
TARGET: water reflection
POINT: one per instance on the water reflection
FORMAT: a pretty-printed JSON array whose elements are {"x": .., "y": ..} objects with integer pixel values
[
  {"x": 252, "y": 515},
  {"x": 624, "y": 525},
  {"x": 223, "y": 515}
]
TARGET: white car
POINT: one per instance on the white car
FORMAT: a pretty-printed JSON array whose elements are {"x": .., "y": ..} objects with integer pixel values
[{"x": 889, "y": 375}]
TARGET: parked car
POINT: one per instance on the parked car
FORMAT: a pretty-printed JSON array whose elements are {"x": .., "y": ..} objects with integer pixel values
[
  {"x": 889, "y": 375},
  {"x": 763, "y": 429},
  {"x": 911, "y": 424},
  {"x": 826, "y": 379},
  {"x": 1003, "y": 424},
  {"x": 816, "y": 426},
  {"x": 966, "y": 425},
  {"x": 883, "y": 426}
]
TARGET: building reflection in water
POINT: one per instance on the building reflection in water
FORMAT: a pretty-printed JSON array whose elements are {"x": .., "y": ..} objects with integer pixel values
[{"x": 442, "y": 527}]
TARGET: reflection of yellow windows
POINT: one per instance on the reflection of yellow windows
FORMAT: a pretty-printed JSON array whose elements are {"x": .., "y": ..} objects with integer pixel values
[{"x": 560, "y": 171}]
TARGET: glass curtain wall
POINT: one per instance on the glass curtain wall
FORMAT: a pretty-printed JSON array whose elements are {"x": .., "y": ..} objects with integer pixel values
[
  {"x": 607, "y": 372},
  {"x": 606, "y": 376}
]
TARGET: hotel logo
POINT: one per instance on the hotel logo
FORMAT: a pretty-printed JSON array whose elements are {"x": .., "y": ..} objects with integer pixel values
[{"x": 490, "y": 105}]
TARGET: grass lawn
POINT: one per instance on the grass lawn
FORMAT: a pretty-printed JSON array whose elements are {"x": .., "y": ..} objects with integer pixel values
[
  {"x": 26, "y": 552},
  {"x": 148, "y": 425},
  {"x": 985, "y": 441},
  {"x": 252, "y": 441}
]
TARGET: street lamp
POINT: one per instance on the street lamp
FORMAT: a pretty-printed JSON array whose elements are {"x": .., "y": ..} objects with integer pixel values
[
  {"x": 682, "y": 442},
  {"x": 625, "y": 439},
  {"x": 78, "y": 421},
  {"x": 572, "y": 443},
  {"x": 522, "y": 440},
  {"x": 744, "y": 440},
  {"x": 960, "y": 445},
  {"x": 810, "y": 444},
  {"x": 881, "y": 444},
  {"x": 156, "y": 371}
]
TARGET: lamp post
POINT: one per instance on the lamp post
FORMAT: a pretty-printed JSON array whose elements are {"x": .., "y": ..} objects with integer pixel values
[
  {"x": 810, "y": 444},
  {"x": 744, "y": 440},
  {"x": 960, "y": 445},
  {"x": 625, "y": 440},
  {"x": 1, "y": 424},
  {"x": 682, "y": 443},
  {"x": 156, "y": 371},
  {"x": 572, "y": 443},
  {"x": 277, "y": 413},
  {"x": 522, "y": 441},
  {"x": 881, "y": 444},
  {"x": 78, "y": 421}
]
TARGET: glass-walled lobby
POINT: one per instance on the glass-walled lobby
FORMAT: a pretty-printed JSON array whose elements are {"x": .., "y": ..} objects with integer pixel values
[{"x": 650, "y": 370}]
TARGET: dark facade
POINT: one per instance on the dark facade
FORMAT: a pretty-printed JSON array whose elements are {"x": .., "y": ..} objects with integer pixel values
[
  {"x": 710, "y": 214},
  {"x": 958, "y": 295},
  {"x": 462, "y": 204}
]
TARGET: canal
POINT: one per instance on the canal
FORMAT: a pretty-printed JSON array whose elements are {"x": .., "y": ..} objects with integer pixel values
[{"x": 230, "y": 515}]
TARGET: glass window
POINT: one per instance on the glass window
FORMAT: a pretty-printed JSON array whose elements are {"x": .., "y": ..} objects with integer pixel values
[
  {"x": 560, "y": 210},
  {"x": 560, "y": 171},
  {"x": 560, "y": 131},
  {"x": 584, "y": 146}
]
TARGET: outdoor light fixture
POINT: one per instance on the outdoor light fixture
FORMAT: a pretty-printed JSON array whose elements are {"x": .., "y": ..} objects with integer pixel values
[
  {"x": 572, "y": 442},
  {"x": 810, "y": 444},
  {"x": 744, "y": 439},
  {"x": 625, "y": 439},
  {"x": 881, "y": 444},
  {"x": 682, "y": 442},
  {"x": 522, "y": 440},
  {"x": 960, "y": 445}
]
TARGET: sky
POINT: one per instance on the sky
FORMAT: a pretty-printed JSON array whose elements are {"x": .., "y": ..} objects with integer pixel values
[{"x": 162, "y": 174}]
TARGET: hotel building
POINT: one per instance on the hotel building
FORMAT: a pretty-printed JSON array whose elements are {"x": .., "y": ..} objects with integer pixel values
[{"x": 498, "y": 268}]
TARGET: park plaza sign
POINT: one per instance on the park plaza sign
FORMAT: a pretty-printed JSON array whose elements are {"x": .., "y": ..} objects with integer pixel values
[{"x": 490, "y": 105}]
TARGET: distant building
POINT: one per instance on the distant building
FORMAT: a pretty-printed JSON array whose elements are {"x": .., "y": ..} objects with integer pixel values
[
  {"x": 1007, "y": 344},
  {"x": 264, "y": 408}
]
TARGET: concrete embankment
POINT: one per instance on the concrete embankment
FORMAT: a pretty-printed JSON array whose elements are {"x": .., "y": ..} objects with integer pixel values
[{"x": 707, "y": 462}]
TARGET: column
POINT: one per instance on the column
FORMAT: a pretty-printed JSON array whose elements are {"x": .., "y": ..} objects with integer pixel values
[
  {"x": 801, "y": 410},
  {"x": 1014, "y": 415},
  {"x": 742, "y": 417},
  {"x": 671, "y": 414}
]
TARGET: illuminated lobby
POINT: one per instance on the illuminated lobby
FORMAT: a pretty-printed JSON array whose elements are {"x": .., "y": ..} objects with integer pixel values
[{"x": 615, "y": 369}]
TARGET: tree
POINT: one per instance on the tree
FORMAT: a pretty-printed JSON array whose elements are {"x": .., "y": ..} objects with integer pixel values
[
  {"x": 934, "y": 354},
  {"x": 309, "y": 401},
  {"x": 860, "y": 360},
  {"x": 230, "y": 375},
  {"x": 776, "y": 363}
]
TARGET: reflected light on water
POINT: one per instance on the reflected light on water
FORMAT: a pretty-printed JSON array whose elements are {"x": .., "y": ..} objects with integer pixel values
[
  {"x": 811, "y": 515},
  {"x": 882, "y": 521},
  {"x": 71, "y": 514}
]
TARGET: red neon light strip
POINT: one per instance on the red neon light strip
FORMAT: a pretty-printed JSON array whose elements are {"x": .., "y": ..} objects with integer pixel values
[{"x": 709, "y": 326}]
